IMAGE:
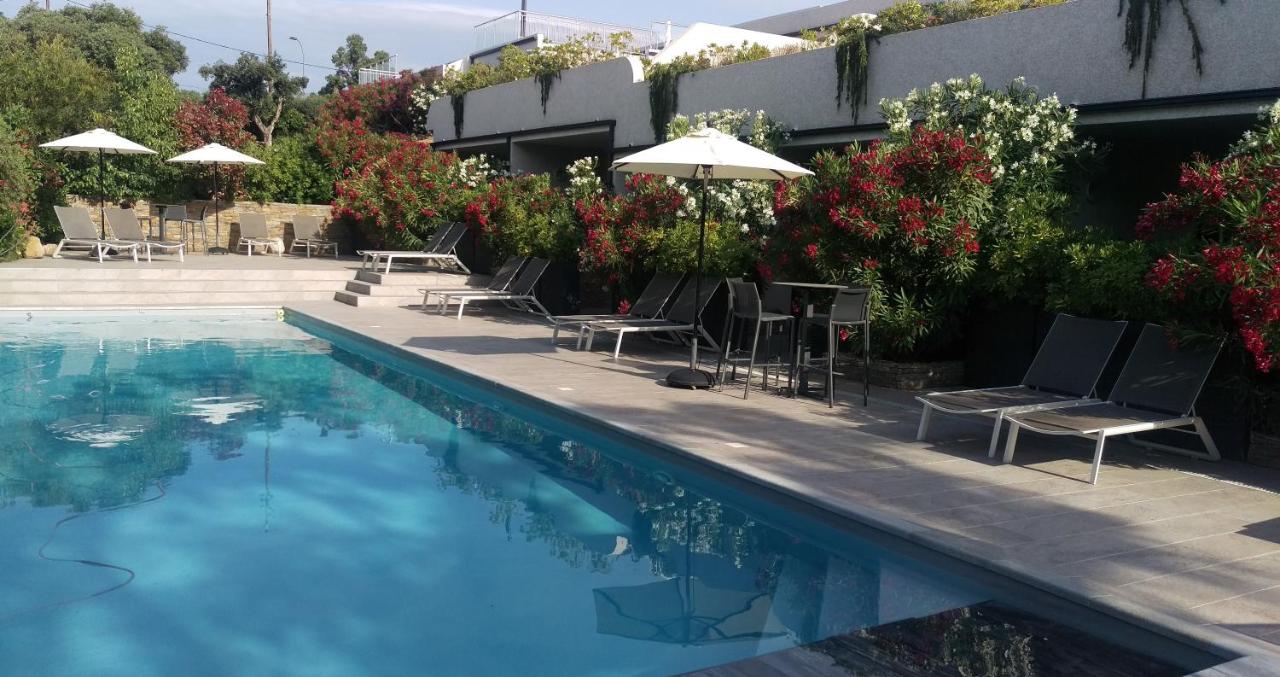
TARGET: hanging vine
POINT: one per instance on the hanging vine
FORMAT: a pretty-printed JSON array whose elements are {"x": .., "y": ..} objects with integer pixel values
[
  {"x": 664, "y": 82},
  {"x": 853, "y": 47},
  {"x": 459, "y": 101},
  {"x": 545, "y": 80},
  {"x": 1142, "y": 20}
]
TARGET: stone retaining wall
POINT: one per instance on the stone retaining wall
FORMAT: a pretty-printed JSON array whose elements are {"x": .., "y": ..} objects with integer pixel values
[{"x": 279, "y": 220}]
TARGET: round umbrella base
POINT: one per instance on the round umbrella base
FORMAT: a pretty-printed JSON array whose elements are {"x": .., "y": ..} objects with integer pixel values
[{"x": 693, "y": 379}]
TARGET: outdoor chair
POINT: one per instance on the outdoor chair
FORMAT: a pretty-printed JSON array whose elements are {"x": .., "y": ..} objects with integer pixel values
[
  {"x": 441, "y": 250},
  {"x": 520, "y": 296},
  {"x": 189, "y": 227},
  {"x": 127, "y": 227},
  {"x": 747, "y": 312},
  {"x": 253, "y": 233},
  {"x": 78, "y": 230},
  {"x": 678, "y": 321},
  {"x": 498, "y": 283},
  {"x": 1064, "y": 373},
  {"x": 851, "y": 308},
  {"x": 650, "y": 305},
  {"x": 306, "y": 233},
  {"x": 1157, "y": 389}
]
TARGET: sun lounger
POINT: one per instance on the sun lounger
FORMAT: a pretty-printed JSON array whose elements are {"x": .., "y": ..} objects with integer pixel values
[
  {"x": 499, "y": 282},
  {"x": 306, "y": 233},
  {"x": 520, "y": 295},
  {"x": 679, "y": 320},
  {"x": 1157, "y": 389},
  {"x": 1064, "y": 373},
  {"x": 253, "y": 233},
  {"x": 78, "y": 230},
  {"x": 441, "y": 250},
  {"x": 650, "y": 305},
  {"x": 126, "y": 226}
]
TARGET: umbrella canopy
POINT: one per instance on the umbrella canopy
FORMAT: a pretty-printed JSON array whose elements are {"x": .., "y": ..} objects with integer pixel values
[
  {"x": 216, "y": 154},
  {"x": 711, "y": 154},
  {"x": 103, "y": 143},
  {"x": 99, "y": 141},
  {"x": 706, "y": 154}
]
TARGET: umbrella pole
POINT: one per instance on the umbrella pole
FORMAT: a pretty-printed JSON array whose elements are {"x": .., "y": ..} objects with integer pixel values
[
  {"x": 693, "y": 377},
  {"x": 217, "y": 218},
  {"x": 102, "y": 194}
]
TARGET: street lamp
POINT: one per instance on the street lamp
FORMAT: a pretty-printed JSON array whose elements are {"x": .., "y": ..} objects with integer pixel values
[{"x": 304, "y": 54}]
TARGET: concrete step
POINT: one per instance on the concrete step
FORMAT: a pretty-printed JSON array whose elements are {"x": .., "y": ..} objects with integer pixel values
[
  {"x": 116, "y": 286},
  {"x": 159, "y": 299},
  {"x": 430, "y": 279},
  {"x": 365, "y": 301}
]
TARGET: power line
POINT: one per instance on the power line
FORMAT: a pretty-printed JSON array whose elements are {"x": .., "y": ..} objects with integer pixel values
[{"x": 211, "y": 43}]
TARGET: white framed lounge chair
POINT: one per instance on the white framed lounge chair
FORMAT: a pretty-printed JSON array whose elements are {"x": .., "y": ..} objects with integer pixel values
[
  {"x": 1156, "y": 390},
  {"x": 520, "y": 296},
  {"x": 253, "y": 233},
  {"x": 127, "y": 226},
  {"x": 306, "y": 233},
  {"x": 1064, "y": 373},
  {"x": 678, "y": 321},
  {"x": 441, "y": 250},
  {"x": 78, "y": 230},
  {"x": 648, "y": 306},
  {"x": 500, "y": 281}
]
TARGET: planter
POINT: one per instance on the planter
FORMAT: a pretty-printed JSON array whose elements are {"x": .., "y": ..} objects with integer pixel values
[
  {"x": 1264, "y": 449},
  {"x": 912, "y": 375}
]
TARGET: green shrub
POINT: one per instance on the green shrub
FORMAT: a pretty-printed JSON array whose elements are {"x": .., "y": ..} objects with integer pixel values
[
  {"x": 295, "y": 172},
  {"x": 1098, "y": 276}
]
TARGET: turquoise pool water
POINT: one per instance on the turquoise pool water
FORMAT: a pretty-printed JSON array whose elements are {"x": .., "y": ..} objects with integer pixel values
[{"x": 202, "y": 497}]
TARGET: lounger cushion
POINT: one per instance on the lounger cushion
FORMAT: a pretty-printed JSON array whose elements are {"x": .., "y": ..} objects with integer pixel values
[
  {"x": 993, "y": 400},
  {"x": 1089, "y": 418}
]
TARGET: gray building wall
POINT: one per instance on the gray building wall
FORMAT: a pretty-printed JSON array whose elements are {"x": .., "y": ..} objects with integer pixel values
[{"x": 812, "y": 18}]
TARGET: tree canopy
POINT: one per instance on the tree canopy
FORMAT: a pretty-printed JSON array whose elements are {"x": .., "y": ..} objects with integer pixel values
[
  {"x": 349, "y": 59},
  {"x": 264, "y": 86},
  {"x": 99, "y": 33}
]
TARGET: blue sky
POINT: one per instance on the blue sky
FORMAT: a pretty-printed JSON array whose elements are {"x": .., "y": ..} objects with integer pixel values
[{"x": 420, "y": 33}]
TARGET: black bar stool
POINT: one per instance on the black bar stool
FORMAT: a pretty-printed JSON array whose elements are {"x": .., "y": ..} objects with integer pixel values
[
  {"x": 747, "y": 313},
  {"x": 851, "y": 308}
]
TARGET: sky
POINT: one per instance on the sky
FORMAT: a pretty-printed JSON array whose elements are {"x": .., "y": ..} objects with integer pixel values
[{"x": 420, "y": 33}]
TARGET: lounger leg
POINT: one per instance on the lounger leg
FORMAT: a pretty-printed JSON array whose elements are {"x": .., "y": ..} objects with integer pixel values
[
  {"x": 182, "y": 254},
  {"x": 995, "y": 435},
  {"x": 135, "y": 254},
  {"x": 1097, "y": 458},
  {"x": 98, "y": 248},
  {"x": 582, "y": 335},
  {"x": 617, "y": 347},
  {"x": 462, "y": 304},
  {"x": 555, "y": 332},
  {"x": 591, "y": 337},
  {"x": 387, "y": 271},
  {"x": 832, "y": 347},
  {"x": 444, "y": 303},
  {"x": 751, "y": 362},
  {"x": 1011, "y": 442},
  {"x": 57, "y": 253},
  {"x": 925, "y": 414},
  {"x": 1207, "y": 440}
]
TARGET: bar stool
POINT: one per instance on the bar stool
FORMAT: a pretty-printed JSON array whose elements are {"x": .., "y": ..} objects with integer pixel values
[
  {"x": 851, "y": 308},
  {"x": 746, "y": 308},
  {"x": 189, "y": 226}
]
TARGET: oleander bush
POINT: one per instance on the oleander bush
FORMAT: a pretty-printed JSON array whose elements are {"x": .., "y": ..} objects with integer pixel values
[{"x": 18, "y": 177}]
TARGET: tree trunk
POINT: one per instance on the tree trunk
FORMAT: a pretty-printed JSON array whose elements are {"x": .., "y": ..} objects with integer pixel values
[{"x": 268, "y": 128}]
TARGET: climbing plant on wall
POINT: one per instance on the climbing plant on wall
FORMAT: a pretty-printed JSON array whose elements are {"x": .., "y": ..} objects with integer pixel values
[
  {"x": 853, "y": 44},
  {"x": 1142, "y": 21}
]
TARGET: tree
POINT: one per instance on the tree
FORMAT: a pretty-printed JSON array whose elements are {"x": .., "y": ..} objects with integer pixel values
[
  {"x": 349, "y": 59},
  {"x": 262, "y": 85},
  {"x": 219, "y": 118},
  {"x": 99, "y": 32},
  {"x": 52, "y": 90}
]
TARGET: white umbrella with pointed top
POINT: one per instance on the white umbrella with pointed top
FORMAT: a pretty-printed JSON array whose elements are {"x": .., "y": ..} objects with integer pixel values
[
  {"x": 103, "y": 143},
  {"x": 706, "y": 154},
  {"x": 216, "y": 154}
]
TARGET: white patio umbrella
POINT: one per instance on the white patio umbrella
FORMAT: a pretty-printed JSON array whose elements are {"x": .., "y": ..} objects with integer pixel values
[
  {"x": 216, "y": 154},
  {"x": 706, "y": 154},
  {"x": 104, "y": 143}
]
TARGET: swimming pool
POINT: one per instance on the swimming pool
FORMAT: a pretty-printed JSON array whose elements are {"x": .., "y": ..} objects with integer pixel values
[{"x": 205, "y": 496}]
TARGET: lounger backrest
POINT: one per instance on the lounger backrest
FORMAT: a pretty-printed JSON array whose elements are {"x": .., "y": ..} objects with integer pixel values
[
  {"x": 450, "y": 241},
  {"x": 1164, "y": 377},
  {"x": 306, "y": 227},
  {"x": 434, "y": 240},
  {"x": 76, "y": 223},
  {"x": 656, "y": 294},
  {"x": 124, "y": 224},
  {"x": 1074, "y": 355},
  {"x": 253, "y": 226},
  {"x": 502, "y": 279},
  {"x": 528, "y": 278},
  {"x": 686, "y": 306}
]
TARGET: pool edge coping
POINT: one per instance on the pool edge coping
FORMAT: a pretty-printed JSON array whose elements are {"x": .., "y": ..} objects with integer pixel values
[{"x": 1213, "y": 639}]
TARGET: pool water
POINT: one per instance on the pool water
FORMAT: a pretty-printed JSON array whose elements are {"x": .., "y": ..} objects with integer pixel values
[{"x": 205, "y": 497}]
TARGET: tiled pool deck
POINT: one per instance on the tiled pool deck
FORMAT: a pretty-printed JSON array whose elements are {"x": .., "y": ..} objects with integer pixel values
[{"x": 1194, "y": 540}]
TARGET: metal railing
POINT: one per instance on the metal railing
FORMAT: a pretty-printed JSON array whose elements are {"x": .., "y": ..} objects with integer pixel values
[
  {"x": 383, "y": 70},
  {"x": 519, "y": 24}
]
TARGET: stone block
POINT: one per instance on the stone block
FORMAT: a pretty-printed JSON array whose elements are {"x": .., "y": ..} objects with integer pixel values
[{"x": 33, "y": 250}]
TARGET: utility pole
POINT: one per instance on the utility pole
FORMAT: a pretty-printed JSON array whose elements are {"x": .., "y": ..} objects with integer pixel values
[
  {"x": 524, "y": 12},
  {"x": 270, "y": 48}
]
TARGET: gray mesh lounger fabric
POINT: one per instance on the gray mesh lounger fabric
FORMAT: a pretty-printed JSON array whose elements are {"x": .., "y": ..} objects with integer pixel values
[
  {"x": 679, "y": 319},
  {"x": 499, "y": 282},
  {"x": 521, "y": 294},
  {"x": 652, "y": 301},
  {"x": 1064, "y": 373}
]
